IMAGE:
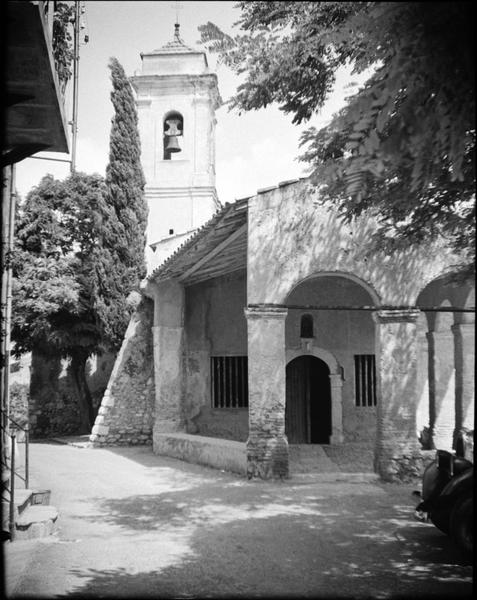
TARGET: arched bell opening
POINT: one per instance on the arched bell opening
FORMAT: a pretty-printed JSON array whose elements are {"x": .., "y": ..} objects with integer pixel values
[{"x": 173, "y": 131}]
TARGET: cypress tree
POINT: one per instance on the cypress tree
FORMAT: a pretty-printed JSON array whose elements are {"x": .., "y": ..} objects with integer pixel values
[
  {"x": 125, "y": 180},
  {"x": 81, "y": 242}
]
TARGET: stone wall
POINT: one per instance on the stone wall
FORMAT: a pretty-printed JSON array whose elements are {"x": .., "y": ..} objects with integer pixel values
[
  {"x": 43, "y": 392},
  {"x": 125, "y": 416},
  {"x": 19, "y": 388},
  {"x": 53, "y": 403},
  {"x": 19, "y": 403}
]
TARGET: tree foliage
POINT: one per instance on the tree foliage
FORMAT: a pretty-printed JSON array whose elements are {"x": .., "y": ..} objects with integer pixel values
[
  {"x": 80, "y": 253},
  {"x": 404, "y": 145},
  {"x": 63, "y": 230},
  {"x": 63, "y": 53}
]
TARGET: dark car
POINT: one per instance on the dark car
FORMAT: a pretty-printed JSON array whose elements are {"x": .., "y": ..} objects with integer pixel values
[{"x": 448, "y": 492}]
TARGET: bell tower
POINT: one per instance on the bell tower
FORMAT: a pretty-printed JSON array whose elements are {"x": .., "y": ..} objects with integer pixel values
[{"x": 176, "y": 97}]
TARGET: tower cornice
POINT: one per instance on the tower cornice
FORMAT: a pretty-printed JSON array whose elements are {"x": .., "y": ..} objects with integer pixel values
[{"x": 167, "y": 85}]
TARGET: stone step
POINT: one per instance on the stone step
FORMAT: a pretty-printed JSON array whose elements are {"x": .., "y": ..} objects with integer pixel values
[
  {"x": 34, "y": 517},
  {"x": 310, "y": 458},
  {"x": 41, "y": 497},
  {"x": 336, "y": 477},
  {"x": 327, "y": 459},
  {"x": 36, "y": 521},
  {"x": 22, "y": 500}
]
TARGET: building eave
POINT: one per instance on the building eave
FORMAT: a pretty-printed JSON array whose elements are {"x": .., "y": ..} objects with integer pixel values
[
  {"x": 35, "y": 116},
  {"x": 217, "y": 248}
]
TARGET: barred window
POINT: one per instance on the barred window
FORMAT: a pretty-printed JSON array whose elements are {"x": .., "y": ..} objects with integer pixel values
[
  {"x": 365, "y": 379},
  {"x": 229, "y": 381}
]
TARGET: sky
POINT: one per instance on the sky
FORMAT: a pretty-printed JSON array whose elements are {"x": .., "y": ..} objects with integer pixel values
[{"x": 254, "y": 150}]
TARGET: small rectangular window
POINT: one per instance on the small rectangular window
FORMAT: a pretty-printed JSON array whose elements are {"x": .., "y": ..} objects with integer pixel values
[
  {"x": 229, "y": 381},
  {"x": 365, "y": 379}
]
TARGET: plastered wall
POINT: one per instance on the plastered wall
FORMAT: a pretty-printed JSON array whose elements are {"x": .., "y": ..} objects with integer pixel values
[
  {"x": 215, "y": 326},
  {"x": 291, "y": 236}
]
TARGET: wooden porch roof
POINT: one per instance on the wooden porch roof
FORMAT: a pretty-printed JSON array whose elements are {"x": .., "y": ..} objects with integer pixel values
[{"x": 217, "y": 248}]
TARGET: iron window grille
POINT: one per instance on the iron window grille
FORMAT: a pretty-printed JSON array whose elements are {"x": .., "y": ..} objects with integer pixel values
[
  {"x": 229, "y": 381},
  {"x": 365, "y": 379}
]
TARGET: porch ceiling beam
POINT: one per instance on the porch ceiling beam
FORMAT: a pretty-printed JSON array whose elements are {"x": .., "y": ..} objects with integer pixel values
[
  {"x": 200, "y": 278},
  {"x": 205, "y": 259}
]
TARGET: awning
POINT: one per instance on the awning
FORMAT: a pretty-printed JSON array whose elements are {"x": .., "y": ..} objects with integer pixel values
[{"x": 35, "y": 117}]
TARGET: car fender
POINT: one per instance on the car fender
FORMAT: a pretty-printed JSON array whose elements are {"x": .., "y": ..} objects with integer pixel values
[{"x": 457, "y": 486}]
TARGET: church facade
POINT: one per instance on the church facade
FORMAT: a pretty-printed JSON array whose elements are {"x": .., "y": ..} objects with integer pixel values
[{"x": 272, "y": 324}]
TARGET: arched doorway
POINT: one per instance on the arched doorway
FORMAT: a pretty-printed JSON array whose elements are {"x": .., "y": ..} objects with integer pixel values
[{"x": 308, "y": 401}]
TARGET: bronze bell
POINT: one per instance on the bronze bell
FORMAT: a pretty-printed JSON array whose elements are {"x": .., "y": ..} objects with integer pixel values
[{"x": 172, "y": 144}]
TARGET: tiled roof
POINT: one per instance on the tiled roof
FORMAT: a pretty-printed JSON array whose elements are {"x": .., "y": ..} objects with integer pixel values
[
  {"x": 207, "y": 242},
  {"x": 176, "y": 46}
]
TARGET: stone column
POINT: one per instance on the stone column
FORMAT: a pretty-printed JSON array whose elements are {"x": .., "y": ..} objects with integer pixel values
[
  {"x": 267, "y": 445},
  {"x": 442, "y": 388},
  {"x": 396, "y": 345},
  {"x": 464, "y": 351},
  {"x": 336, "y": 383},
  {"x": 423, "y": 404},
  {"x": 167, "y": 343}
]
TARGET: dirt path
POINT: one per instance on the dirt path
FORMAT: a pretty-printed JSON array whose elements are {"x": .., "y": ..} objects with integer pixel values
[{"x": 136, "y": 525}]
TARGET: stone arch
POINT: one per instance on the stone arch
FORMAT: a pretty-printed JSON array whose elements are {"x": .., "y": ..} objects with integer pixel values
[
  {"x": 308, "y": 295},
  {"x": 450, "y": 355},
  {"x": 320, "y": 353},
  {"x": 376, "y": 301},
  {"x": 432, "y": 277},
  {"x": 442, "y": 291},
  {"x": 336, "y": 384}
]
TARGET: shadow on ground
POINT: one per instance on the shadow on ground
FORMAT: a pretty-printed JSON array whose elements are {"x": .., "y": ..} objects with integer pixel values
[{"x": 250, "y": 542}]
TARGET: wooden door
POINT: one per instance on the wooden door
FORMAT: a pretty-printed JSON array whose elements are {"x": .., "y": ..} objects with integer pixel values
[
  {"x": 308, "y": 401},
  {"x": 297, "y": 402}
]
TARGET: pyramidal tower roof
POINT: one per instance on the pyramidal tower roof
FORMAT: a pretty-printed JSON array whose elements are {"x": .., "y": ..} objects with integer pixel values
[
  {"x": 176, "y": 46},
  {"x": 175, "y": 57}
]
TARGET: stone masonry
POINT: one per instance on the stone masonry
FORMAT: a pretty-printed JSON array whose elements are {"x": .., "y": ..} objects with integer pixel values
[{"x": 125, "y": 416}]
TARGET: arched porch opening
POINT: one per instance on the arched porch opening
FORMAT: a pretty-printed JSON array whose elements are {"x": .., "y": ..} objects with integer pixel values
[
  {"x": 338, "y": 312},
  {"x": 446, "y": 359}
]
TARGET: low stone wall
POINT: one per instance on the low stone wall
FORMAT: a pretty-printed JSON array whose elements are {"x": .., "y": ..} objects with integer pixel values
[
  {"x": 53, "y": 401},
  {"x": 125, "y": 416},
  {"x": 43, "y": 393},
  {"x": 226, "y": 423},
  {"x": 404, "y": 468},
  {"x": 19, "y": 395},
  {"x": 212, "y": 452}
]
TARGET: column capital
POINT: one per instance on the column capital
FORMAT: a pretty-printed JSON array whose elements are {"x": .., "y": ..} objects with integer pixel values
[
  {"x": 396, "y": 315},
  {"x": 463, "y": 328},
  {"x": 445, "y": 334},
  {"x": 336, "y": 380},
  {"x": 266, "y": 312}
]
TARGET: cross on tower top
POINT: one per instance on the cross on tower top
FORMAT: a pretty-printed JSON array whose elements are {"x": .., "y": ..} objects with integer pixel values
[{"x": 177, "y": 6}]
